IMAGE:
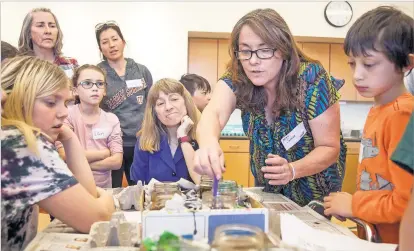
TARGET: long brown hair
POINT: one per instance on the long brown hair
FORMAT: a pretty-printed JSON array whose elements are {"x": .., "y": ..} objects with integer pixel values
[
  {"x": 274, "y": 31},
  {"x": 152, "y": 128}
]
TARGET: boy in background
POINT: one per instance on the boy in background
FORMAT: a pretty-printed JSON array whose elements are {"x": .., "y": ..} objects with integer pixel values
[{"x": 199, "y": 88}]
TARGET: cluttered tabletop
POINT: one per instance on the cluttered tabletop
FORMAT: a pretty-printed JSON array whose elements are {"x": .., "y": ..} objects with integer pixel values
[{"x": 183, "y": 216}]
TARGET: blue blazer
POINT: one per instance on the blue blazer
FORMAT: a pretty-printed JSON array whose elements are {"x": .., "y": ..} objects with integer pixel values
[{"x": 160, "y": 165}]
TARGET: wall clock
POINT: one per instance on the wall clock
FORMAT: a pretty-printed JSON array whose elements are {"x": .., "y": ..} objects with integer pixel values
[{"x": 338, "y": 13}]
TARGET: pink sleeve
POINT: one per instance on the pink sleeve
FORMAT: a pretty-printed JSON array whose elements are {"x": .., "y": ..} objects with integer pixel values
[{"x": 115, "y": 139}]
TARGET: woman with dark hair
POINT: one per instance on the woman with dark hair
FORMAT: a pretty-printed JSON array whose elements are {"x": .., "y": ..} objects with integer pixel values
[
  {"x": 7, "y": 51},
  {"x": 127, "y": 88},
  {"x": 290, "y": 112}
]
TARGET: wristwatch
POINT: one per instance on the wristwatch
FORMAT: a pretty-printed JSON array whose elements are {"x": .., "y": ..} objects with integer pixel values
[{"x": 184, "y": 139}]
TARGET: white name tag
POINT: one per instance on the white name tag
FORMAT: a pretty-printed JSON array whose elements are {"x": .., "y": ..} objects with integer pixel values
[
  {"x": 99, "y": 133},
  {"x": 135, "y": 83},
  {"x": 69, "y": 73},
  {"x": 361, "y": 152},
  {"x": 294, "y": 136}
]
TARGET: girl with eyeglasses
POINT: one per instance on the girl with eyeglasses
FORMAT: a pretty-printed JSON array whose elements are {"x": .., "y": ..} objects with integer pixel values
[
  {"x": 128, "y": 84},
  {"x": 99, "y": 132},
  {"x": 290, "y": 112}
]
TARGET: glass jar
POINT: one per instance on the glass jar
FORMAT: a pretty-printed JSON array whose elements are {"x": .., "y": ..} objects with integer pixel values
[
  {"x": 225, "y": 201},
  {"x": 206, "y": 184},
  {"x": 238, "y": 237},
  {"x": 163, "y": 192},
  {"x": 228, "y": 188}
]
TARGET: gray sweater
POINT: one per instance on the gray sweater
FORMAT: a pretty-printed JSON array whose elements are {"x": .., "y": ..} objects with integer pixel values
[{"x": 127, "y": 99}]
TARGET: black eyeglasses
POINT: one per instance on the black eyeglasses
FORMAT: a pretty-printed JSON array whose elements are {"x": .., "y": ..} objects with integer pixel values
[
  {"x": 108, "y": 23},
  {"x": 265, "y": 53},
  {"x": 89, "y": 84}
]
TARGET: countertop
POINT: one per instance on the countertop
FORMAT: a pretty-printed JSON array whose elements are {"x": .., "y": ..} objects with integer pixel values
[{"x": 243, "y": 137}]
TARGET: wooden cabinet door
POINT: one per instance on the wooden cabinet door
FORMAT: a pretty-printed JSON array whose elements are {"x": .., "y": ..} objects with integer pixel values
[
  {"x": 223, "y": 57},
  {"x": 349, "y": 183},
  {"x": 202, "y": 58},
  {"x": 237, "y": 168},
  {"x": 352, "y": 161},
  {"x": 318, "y": 51},
  {"x": 341, "y": 70}
]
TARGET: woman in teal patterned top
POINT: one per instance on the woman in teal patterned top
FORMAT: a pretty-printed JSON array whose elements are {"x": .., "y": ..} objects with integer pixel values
[{"x": 290, "y": 112}]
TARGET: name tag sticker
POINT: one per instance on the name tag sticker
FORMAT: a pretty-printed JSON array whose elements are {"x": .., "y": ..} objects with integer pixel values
[
  {"x": 294, "y": 136},
  {"x": 69, "y": 73},
  {"x": 99, "y": 133},
  {"x": 138, "y": 83}
]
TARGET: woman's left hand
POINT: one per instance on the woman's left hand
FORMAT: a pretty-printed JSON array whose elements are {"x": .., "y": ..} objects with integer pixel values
[
  {"x": 277, "y": 170},
  {"x": 339, "y": 203},
  {"x": 185, "y": 127}
]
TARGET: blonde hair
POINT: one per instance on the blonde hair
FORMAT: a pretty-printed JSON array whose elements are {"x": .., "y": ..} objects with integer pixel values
[
  {"x": 152, "y": 128},
  {"x": 25, "y": 40},
  {"x": 26, "y": 79}
]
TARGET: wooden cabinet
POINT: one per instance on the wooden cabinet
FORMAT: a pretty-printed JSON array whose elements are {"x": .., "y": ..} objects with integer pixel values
[
  {"x": 352, "y": 156},
  {"x": 237, "y": 161},
  {"x": 223, "y": 57},
  {"x": 202, "y": 58},
  {"x": 341, "y": 70},
  {"x": 319, "y": 52}
]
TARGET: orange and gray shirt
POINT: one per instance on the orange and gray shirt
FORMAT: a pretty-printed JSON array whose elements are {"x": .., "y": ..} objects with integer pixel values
[{"x": 383, "y": 188}]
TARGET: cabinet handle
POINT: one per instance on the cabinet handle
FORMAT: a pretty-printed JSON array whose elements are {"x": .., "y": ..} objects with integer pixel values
[{"x": 234, "y": 146}]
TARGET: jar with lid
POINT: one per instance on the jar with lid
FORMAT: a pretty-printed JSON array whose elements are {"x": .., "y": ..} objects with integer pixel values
[
  {"x": 163, "y": 192},
  {"x": 238, "y": 237},
  {"x": 228, "y": 188},
  {"x": 206, "y": 184},
  {"x": 226, "y": 201}
]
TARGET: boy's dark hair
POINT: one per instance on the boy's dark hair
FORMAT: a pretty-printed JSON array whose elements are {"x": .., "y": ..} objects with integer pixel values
[
  {"x": 192, "y": 82},
  {"x": 7, "y": 51},
  {"x": 384, "y": 29}
]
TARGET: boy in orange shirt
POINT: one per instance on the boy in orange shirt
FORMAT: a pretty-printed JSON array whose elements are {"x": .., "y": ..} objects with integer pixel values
[{"x": 380, "y": 50}]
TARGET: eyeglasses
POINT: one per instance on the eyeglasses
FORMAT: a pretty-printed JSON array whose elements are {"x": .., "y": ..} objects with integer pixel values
[
  {"x": 108, "y": 23},
  {"x": 89, "y": 84},
  {"x": 260, "y": 53}
]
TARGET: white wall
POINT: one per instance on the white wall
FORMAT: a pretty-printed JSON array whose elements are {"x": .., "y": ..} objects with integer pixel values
[{"x": 157, "y": 33}]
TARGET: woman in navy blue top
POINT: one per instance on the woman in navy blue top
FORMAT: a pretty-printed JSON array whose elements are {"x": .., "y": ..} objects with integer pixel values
[{"x": 165, "y": 145}]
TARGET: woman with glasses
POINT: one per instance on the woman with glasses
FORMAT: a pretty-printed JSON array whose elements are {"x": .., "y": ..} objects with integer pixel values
[
  {"x": 99, "y": 132},
  {"x": 290, "y": 112},
  {"x": 127, "y": 88},
  {"x": 42, "y": 37}
]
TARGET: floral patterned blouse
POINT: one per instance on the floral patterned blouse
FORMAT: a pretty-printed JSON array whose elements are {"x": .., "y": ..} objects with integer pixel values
[{"x": 320, "y": 91}]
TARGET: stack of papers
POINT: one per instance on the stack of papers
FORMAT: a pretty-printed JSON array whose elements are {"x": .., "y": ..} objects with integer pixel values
[{"x": 297, "y": 233}]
